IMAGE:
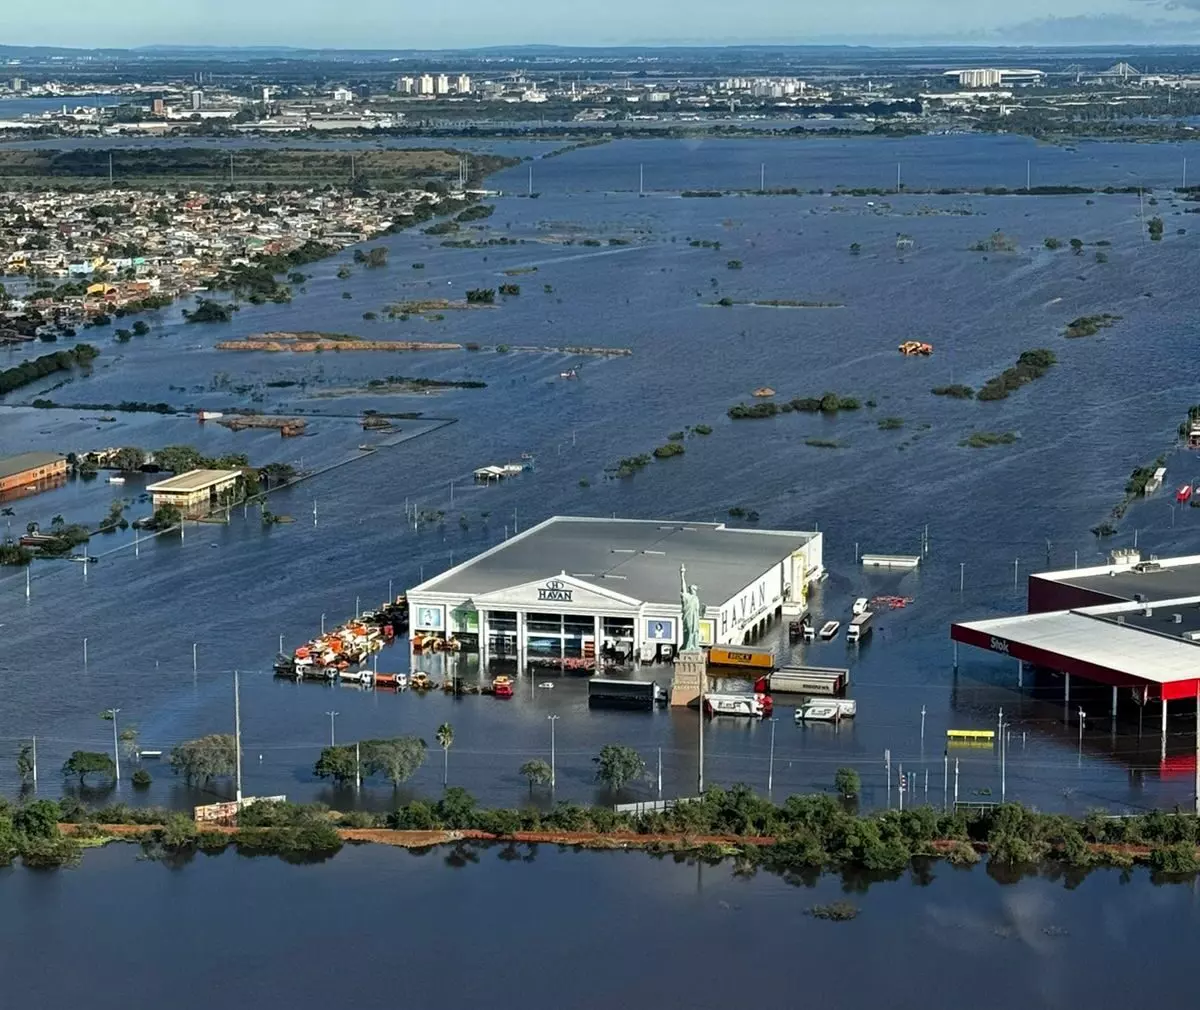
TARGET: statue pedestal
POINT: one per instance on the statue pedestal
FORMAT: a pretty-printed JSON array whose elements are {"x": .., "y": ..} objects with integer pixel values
[{"x": 690, "y": 678}]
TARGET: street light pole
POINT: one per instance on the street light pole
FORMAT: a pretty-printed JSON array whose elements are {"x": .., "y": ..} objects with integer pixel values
[
  {"x": 331, "y": 718},
  {"x": 553, "y": 719},
  {"x": 237, "y": 733},
  {"x": 771, "y": 765},
  {"x": 112, "y": 714}
]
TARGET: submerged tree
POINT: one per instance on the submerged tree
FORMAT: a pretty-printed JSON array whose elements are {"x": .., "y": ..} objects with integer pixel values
[
  {"x": 445, "y": 739},
  {"x": 618, "y": 765},
  {"x": 209, "y": 757}
]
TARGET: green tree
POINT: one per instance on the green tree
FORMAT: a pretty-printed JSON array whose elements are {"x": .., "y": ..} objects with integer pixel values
[
  {"x": 84, "y": 763},
  {"x": 537, "y": 771},
  {"x": 38, "y": 819},
  {"x": 129, "y": 457},
  {"x": 128, "y": 738},
  {"x": 397, "y": 759},
  {"x": 618, "y": 765},
  {"x": 202, "y": 760},
  {"x": 25, "y": 763},
  {"x": 445, "y": 739},
  {"x": 456, "y": 809},
  {"x": 847, "y": 783},
  {"x": 141, "y": 779},
  {"x": 1077, "y": 246},
  {"x": 336, "y": 763}
]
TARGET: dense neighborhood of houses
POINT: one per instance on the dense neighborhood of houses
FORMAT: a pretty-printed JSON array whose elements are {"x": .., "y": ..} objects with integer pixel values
[{"x": 77, "y": 255}]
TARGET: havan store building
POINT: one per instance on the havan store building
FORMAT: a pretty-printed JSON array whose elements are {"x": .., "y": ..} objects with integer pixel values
[{"x": 570, "y": 587}]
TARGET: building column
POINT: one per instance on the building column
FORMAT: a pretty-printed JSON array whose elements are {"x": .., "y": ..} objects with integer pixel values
[
  {"x": 483, "y": 640},
  {"x": 1163, "y": 749},
  {"x": 1112, "y": 723},
  {"x": 1066, "y": 696},
  {"x": 562, "y": 637},
  {"x": 522, "y": 650},
  {"x": 599, "y": 633}
]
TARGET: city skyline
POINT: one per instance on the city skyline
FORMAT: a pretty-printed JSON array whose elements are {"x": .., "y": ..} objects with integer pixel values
[{"x": 307, "y": 24}]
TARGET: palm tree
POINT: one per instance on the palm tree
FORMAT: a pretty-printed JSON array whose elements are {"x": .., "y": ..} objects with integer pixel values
[{"x": 445, "y": 738}]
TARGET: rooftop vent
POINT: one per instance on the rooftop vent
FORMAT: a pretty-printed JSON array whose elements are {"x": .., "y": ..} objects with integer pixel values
[
  {"x": 1139, "y": 597},
  {"x": 1192, "y": 636},
  {"x": 1148, "y": 611},
  {"x": 1120, "y": 618},
  {"x": 1177, "y": 618}
]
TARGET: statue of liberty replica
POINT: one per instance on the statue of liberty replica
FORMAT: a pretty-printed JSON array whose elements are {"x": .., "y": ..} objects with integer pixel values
[{"x": 689, "y": 603}]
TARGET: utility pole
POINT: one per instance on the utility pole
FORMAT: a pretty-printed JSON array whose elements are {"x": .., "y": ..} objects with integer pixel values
[
  {"x": 762, "y": 177},
  {"x": 956, "y": 783},
  {"x": 1003, "y": 766},
  {"x": 112, "y": 714},
  {"x": 27, "y": 582},
  {"x": 641, "y": 180},
  {"x": 902, "y": 784},
  {"x": 945, "y": 777},
  {"x": 332, "y": 742},
  {"x": 85, "y": 655},
  {"x": 962, "y": 575},
  {"x": 700, "y": 736},
  {"x": 660, "y": 767},
  {"x": 1028, "y": 171},
  {"x": 193, "y": 657},
  {"x": 922, "y": 725},
  {"x": 237, "y": 733},
  {"x": 35, "y": 758},
  {"x": 357, "y": 766},
  {"x": 897, "y": 177},
  {"x": 231, "y": 170},
  {"x": 530, "y": 192},
  {"x": 771, "y": 766},
  {"x": 887, "y": 761},
  {"x": 553, "y": 777},
  {"x": 110, "y": 170}
]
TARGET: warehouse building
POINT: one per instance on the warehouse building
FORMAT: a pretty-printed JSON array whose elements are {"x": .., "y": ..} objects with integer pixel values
[
  {"x": 570, "y": 587},
  {"x": 195, "y": 493},
  {"x": 29, "y": 473},
  {"x": 1131, "y": 625}
]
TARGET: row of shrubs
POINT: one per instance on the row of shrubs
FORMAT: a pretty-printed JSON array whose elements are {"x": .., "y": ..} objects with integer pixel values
[{"x": 813, "y": 832}]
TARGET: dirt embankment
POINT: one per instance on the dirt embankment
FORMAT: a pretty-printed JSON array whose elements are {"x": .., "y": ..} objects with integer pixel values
[
  {"x": 424, "y": 839},
  {"x": 308, "y": 342}
]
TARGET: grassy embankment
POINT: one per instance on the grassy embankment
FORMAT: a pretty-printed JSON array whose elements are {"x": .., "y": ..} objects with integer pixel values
[{"x": 202, "y": 167}]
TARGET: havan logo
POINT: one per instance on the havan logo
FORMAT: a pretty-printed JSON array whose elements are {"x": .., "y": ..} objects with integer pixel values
[
  {"x": 998, "y": 645},
  {"x": 555, "y": 591}
]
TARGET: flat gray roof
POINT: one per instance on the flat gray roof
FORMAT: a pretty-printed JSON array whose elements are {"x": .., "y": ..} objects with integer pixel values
[
  {"x": 193, "y": 480},
  {"x": 1172, "y": 579},
  {"x": 11, "y": 465},
  {"x": 639, "y": 558}
]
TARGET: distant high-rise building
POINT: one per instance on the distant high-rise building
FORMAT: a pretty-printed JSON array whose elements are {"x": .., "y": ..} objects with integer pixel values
[
  {"x": 18, "y": 84},
  {"x": 159, "y": 107},
  {"x": 266, "y": 93},
  {"x": 406, "y": 85},
  {"x": 464, "y": 84},
  {"x": 343, "y": 95},
  {"x": 442, "y": 85},
  {"x": 197, "y": 100},
  {"x": 425, "y": 85}
]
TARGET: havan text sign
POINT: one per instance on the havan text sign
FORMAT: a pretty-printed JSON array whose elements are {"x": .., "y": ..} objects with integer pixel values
[{"x": 555, "y": 591}]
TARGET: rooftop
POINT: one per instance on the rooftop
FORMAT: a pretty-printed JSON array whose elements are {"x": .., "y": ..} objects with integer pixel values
[
  {"x": 1144, "y": 651},
  {"x": 1168, "y": 578},
  {"x": 634, "y": 557},
  {"x": 12, "y": 465},
  {"x": 193, "y": 480}
]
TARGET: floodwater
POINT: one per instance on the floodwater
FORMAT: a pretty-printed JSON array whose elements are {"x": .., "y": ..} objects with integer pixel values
[
  {"x": 1112, "y": 403},
  {"x": 596, "y": 930}
]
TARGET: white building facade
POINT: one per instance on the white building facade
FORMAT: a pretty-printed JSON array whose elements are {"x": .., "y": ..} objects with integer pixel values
[{"x": 574, "y": 587}]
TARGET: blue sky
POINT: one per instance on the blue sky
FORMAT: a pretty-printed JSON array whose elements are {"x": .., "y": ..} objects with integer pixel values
[{"x": 404, "y": 24}]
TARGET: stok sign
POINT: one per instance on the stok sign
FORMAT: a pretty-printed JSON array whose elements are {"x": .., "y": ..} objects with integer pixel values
[
  {"x": 998, "y": 645},
  {"x": 555, "y": 591}
]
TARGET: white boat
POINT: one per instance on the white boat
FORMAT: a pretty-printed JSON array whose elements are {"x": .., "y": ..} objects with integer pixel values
[
  {"x": 116, "y": 480},
  {"x": 210, "y": 415},
  {"x": 546, "y": 685},
  {"x": 829, "y": 629},
  {"x": 860, "y": 606}
]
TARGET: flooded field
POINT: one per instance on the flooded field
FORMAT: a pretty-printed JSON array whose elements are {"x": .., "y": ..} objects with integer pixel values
[{"x": 599, "y": 265}]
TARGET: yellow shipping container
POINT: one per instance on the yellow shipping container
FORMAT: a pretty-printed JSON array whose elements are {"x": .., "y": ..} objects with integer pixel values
[{"x": 743, "y": 656}]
